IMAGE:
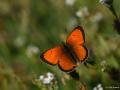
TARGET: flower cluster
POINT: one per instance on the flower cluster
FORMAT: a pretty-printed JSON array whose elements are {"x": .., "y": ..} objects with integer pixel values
[
  {"x": 96, "y": 18},
  {"x": 106, "y": 2},
  {"x": 69, "y": 2},
  {"x": 103, "y": 65},
  {"x": 47, "y": 79},
  {"x": 83, "y": 12},
  {"x": 20, "y": 41},
  {"x": 98, "y": 87},
  {"x": 32, "y": 50}
]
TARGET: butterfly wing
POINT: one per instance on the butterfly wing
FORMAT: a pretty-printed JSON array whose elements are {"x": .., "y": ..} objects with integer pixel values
[
  {"x": 76, "y": 37},
  {"x": 76, "y": 41},
  {"x": 81, "y": 52},
  {"x": 66, "y": 63},
  {"x": 52, "y": 56},
  {"x": 57, "y": 55}
]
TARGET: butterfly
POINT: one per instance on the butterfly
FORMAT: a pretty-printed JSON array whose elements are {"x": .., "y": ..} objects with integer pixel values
[{"x": 69, "y": 54}]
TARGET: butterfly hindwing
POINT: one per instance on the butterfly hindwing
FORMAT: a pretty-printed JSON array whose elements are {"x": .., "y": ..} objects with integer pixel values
[
  {"x": 66, "y": 63},
  {"x": 81, "y": 52}
]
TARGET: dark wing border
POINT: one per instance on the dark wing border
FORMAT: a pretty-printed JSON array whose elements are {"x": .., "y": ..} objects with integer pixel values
[{"x": 81, "y": 29}]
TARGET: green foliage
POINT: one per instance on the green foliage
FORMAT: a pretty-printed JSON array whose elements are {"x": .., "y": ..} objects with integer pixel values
[{"x": 29, "y": 27}]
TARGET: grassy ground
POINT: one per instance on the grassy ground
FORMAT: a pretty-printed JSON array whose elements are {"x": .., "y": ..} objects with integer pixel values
[{"x": 29, "y": 27}]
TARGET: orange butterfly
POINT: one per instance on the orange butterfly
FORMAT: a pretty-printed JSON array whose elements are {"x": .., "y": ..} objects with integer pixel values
[{"x": 67, "y": 56}]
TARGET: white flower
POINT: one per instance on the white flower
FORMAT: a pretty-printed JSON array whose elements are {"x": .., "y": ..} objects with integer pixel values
[
  {"x": 46, "y": 79},
  {"x": 32, "y": 50},
  {"x": 101, "y": 1},
  {"x": 94, "y": 88},
  {"x": 96, "y": 18},
  {"x": 50, "y": 75},
  {"x": 83, "y": 12},
  {"x": 69, "y": 2},
  {"x": 19, "y": 41},
  {"x": 103, "y": 69},
  {"x": 98, "y": 87},
  {"x": 41, "y": 77},
  {"x": 107, "y": 2},
  {"x": 103, "y": 63}
]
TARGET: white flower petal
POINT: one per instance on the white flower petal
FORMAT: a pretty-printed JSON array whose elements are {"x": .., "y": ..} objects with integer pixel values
[
  {"x": 97, "y": 17},
  {"x": 100, "y": 88},
  {"x": 69, "y": 2},
  {"x": 99, "y": 85},
  {"x": 41, "y": 77},
  {"x": 94, "y": 88},
  {"x": 32, "y": 50},
  {"x": 50, "y": 75},
  {"x": 20, "y": 41},
  {"x": 46, "y": 81},
  {"x": 83, "y": 12}
]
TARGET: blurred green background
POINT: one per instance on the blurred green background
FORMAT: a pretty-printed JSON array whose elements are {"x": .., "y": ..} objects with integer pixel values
[{"x": 29, "y": 27}]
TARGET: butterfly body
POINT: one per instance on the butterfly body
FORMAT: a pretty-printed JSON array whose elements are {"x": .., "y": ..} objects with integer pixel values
[
  {"x": 67, "y": 49},
  {"x": 68, "y": 54}
]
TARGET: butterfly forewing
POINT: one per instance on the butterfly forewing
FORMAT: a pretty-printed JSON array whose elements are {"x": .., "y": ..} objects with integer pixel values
[
  {"x": 76, "y": 37},
  {"x": 52, "y": 56}
]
